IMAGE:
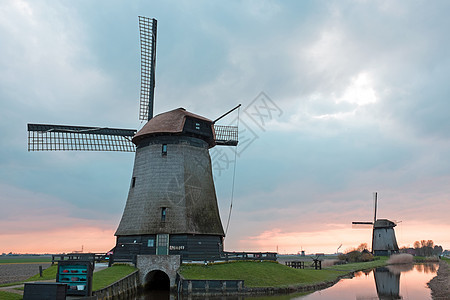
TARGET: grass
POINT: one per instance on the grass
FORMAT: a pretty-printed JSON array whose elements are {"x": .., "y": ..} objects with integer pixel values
[
  {"x": 425, "y": 259},
  {"x": 9, "y": 296},
  {"x": 101, "y": 279},
  {"x": 105, "y": 277},
  {"x": 273, "y": 274},
  {"x": 26, "y": 260},
  {"x": 259, "y": 274},
  {"x": 47, "y": 274},
  {"x": 378, "y": 262}
]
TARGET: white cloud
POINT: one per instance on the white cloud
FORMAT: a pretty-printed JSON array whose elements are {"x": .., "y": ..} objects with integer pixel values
[{"x": 360, "y": 91}]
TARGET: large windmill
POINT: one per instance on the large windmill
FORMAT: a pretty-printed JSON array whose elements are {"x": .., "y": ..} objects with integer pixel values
[
  {"x": 383, "y": 235},
  {"x": 172, "y": 205}
]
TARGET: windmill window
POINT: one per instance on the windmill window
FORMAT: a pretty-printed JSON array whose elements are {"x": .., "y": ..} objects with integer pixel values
[
  {"x": 163, "y": 214},
  {"x": 133, "y": 182},
  {"x": 164, "y": 150}
]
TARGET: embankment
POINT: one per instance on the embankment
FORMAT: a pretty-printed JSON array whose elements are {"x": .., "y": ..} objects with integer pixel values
[{"x": 440, "y": 285}]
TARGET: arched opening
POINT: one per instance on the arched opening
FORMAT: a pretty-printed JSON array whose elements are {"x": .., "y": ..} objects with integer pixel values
[{"x": 157, "y": 281}]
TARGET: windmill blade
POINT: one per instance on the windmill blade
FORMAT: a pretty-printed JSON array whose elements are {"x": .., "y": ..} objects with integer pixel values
[
  {"x": 147, "y": 30},
  {"x": 46, "y": 137},
  {"x": 226, "y": 135},
  {"x": 357, "y": 225}
]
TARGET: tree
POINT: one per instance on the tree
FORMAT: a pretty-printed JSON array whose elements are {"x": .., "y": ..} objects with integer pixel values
[
  {"x": 416, "y": 245},
  {"x": 437, "y": 250},
  {"x": 427, "y": 248},
  {"x": 362, "y": 247}
]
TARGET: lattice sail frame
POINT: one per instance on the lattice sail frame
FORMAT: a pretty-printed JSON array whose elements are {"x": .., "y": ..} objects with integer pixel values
[
  {"x": 226, "y": 135},
  {"x": 147, "y": 30},
  {"x": 42, "y": 137}
]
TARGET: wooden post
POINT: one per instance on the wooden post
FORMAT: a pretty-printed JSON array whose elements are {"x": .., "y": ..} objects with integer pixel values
[{"x": 40, "y": 271}]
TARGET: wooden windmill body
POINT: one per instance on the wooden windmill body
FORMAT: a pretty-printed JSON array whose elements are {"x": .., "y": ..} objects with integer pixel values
[
  {"x": 171, "y": 206},
  {"x": 384, "y": 241}
]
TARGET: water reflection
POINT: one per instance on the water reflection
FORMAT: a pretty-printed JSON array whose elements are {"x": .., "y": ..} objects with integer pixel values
[{"x": 386, "y": 283}]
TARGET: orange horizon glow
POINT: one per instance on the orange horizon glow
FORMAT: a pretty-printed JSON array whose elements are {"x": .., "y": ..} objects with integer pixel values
[{"x": 98, "y": 240}]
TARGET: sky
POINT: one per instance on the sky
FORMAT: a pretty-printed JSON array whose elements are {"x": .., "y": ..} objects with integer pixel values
[{"x": 340, "y": 99}]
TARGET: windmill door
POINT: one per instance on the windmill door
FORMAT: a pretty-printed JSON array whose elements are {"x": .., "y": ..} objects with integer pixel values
[{"x": 162, "y": 244}]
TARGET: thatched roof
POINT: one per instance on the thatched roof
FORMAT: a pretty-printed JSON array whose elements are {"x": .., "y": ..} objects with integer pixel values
[{"x": 171, "y": 122}]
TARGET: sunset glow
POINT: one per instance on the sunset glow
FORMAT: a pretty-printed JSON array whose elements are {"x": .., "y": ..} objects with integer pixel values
[{"x": 355, "y": 101}]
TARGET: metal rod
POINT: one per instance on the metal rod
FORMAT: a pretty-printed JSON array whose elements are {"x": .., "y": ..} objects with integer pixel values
[{"x": 226, "y": 113}]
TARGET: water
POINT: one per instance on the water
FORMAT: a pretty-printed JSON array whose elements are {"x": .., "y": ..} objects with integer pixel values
[{"x": 392, "y": 282}]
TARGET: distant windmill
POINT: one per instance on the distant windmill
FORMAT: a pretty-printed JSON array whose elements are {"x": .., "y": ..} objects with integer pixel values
[
  {"x": 383, "y": 235},
  {"x": 172, "y": 205}
]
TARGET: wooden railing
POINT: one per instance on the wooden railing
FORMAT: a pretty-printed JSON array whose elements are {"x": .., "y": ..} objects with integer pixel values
[
  {"x": 95, "y": 257},
  {"x": 227, "y": 256}
]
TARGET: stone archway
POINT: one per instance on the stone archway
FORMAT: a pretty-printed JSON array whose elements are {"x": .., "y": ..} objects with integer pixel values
[
  {"x": 149, "y": 264},
  {"x": 157, "y": 280}
]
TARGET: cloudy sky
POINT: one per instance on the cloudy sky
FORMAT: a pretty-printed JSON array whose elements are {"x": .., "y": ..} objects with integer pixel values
[{"x": 351, "y": 98}]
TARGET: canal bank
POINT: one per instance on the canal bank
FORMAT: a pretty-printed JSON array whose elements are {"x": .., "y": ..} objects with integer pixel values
[
  {"x": 271, "y": 278},
  {"x": 440, "y": 285}
]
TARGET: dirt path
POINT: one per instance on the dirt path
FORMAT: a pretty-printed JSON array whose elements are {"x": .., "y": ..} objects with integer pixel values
[{"x": 440, "y": 285}]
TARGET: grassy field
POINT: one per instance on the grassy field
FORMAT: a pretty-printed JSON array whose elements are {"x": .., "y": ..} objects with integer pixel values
[
  {"x": 110, "y": 275},
  {"x": 100, "y": 279},
  {"x": 9, "y": 296},
  {"x": 47, "y": 274},
  {"x": 259, "y": 274},
  {"x": 25, "y": 260},
  {"x": 272, "y": 274},
  {"x": 378, "y": 262}
]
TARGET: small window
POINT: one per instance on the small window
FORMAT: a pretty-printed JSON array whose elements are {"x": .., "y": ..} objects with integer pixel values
[
  {"x": 133, "y": 182},
  {"x": 164, "y": 149},
  {"x": 163, "y": 214},
  {"x": 151, "y": 243},
  {"x": 197, "y": 126}
]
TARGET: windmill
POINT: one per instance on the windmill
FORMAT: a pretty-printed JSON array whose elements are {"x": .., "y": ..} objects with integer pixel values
[
  {"x": 383, "y": 235},
  {"x": 171, "y": 206}
]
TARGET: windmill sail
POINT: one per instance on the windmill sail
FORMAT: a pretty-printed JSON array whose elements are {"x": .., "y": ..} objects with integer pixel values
[
  {"x": 226, "y": 135},
  {"x": 45, "y": 137},
  {"x": 147, "y": 29}
]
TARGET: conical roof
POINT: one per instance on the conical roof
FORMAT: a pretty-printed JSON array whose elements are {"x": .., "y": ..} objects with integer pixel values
[{"x": 171, "y": 122}]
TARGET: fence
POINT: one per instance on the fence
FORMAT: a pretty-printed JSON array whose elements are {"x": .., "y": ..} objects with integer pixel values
[
  {"x": 227, "y": 256},
  {"x": 95, "y": 257}
]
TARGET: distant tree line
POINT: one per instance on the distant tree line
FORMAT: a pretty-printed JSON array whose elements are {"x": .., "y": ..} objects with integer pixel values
[
  {"x": 424, "y": 248},
  {"x": 427, "y": 248}
]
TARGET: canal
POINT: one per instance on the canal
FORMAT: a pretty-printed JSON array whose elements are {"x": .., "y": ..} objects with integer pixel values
[{"x": 391, "y": 282}]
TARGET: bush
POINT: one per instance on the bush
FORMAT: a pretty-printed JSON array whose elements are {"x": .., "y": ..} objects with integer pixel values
[{"x": 356, "y": 256}]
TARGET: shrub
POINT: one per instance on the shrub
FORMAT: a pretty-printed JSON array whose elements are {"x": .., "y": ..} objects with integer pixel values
[{"x": 356, "y": 256}]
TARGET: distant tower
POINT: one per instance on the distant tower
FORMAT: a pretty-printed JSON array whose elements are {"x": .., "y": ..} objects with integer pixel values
[
  {"x": 172, "y": 206},
  {"x": 384, "y": 241},
  {"x": 383, "y": 235}
]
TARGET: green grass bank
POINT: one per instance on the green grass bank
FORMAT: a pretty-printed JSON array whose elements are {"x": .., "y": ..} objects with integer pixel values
[
  {"x": 272, "y": 274},
  {"x": 100, "y": 279}
]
